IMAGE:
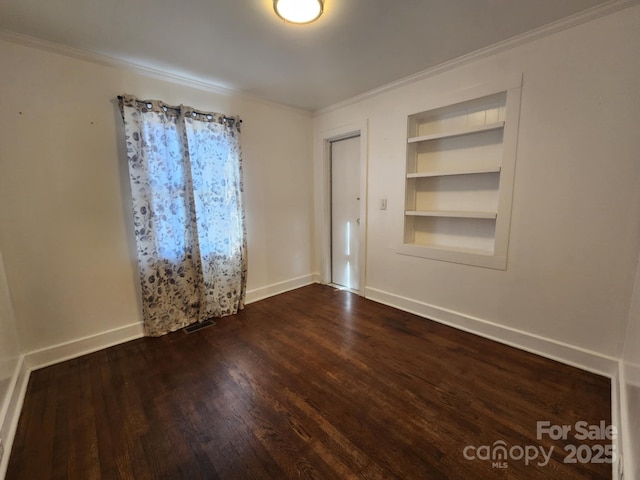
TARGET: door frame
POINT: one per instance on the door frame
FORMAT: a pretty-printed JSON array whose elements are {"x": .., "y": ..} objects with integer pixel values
[{"x": 322, "y": 170}]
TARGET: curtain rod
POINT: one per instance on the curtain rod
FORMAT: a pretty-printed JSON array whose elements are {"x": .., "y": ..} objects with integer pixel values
[{"x": 224, "y": 117}]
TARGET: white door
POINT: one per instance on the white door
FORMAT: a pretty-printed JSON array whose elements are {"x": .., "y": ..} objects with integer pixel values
[{"x": 345, "y": 212}]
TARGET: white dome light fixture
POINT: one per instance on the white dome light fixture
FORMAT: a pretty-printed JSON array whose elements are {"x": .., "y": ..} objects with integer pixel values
[{"x": 298, "y": 11}]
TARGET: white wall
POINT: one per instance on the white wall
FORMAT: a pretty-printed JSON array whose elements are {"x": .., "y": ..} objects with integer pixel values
[
  {"x": 575, "y": 229},
  {"x": 64, "y": 194}
]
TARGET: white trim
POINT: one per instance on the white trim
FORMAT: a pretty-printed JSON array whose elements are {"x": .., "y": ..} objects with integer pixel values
[
  {"x": 546, "y": 347},
  {"x": 27, "y": 363},
  {"x": 541, "y": 32},
  {"x": 616, "y": 419},
  {"x": 629, "y": 374},
  {"x": 12, "y": 409},
  {"x": 5, "y": 407},
  {"x": 147, "y": 71},
  {"x": 82, "y": 346},
  {"x": 455, "y": 255},
  {"x": 511, "y": 87},
  {"x": 322, "y": 162},
  {"x": 562, "y": 352},
  {"x": 277, "y": 288},
  {"x": 201, "y": 84},
  {"x": 48, "y": 356},
  {"x": 7, "y": 369}
]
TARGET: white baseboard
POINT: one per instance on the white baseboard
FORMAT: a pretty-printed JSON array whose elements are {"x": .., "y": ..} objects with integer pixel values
[
  {"x": 11, "y": 411},
  {"x": 44, "y": 357},
  {"x": 552, "y": 349},
  {"x": 278, "y": 288},
  {"x": 48, "y": 356},
  {"x": 76, "y": 348}
]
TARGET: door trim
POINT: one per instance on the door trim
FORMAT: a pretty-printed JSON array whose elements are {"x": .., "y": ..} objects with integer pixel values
[{"x": 322, "y": 184}]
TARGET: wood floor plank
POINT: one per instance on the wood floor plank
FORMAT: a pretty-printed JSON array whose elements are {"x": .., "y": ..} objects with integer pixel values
[{"x": 316, "y": 383}]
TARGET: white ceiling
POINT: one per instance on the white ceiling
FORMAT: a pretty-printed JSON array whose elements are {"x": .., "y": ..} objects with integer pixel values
[{"x": 356, "y": 46}]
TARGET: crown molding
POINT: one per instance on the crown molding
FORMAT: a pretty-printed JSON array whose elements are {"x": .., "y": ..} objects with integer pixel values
[
  {"x": 538, "y": 33},
  {"x": 151, "y": 72},
  {"x": 105, "y": 60}
]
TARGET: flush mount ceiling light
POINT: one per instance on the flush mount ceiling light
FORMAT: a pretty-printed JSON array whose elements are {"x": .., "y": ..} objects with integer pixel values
[{"x": 298, "y": 11}]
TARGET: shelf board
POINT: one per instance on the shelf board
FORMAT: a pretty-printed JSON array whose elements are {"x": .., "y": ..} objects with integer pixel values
[
  {"x": 451, "y": 214},
  {"x": 466, "y": 256},
  {"x": 448, "y": 248},
  {"x": 458, "y": 132},
  {"x": 445, "y": 173}
]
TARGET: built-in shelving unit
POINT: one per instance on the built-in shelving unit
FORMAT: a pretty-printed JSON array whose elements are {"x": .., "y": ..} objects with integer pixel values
[{"x": 459, "y": 177}]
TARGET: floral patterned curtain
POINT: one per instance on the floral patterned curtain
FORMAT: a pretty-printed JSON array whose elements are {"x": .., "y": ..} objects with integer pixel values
[{"x": 185, "y": 169}]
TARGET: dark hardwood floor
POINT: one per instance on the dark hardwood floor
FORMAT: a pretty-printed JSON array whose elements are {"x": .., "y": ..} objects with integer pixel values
[{"x": 315, "y": 383}]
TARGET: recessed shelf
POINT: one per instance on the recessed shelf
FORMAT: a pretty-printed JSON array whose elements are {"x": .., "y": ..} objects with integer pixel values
[
  {"x": 459, "y": 176},
  {"x": 458, "y": 132},
  {"x": 451, "y": 214},
  {"x": 445, "y": 173}
]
